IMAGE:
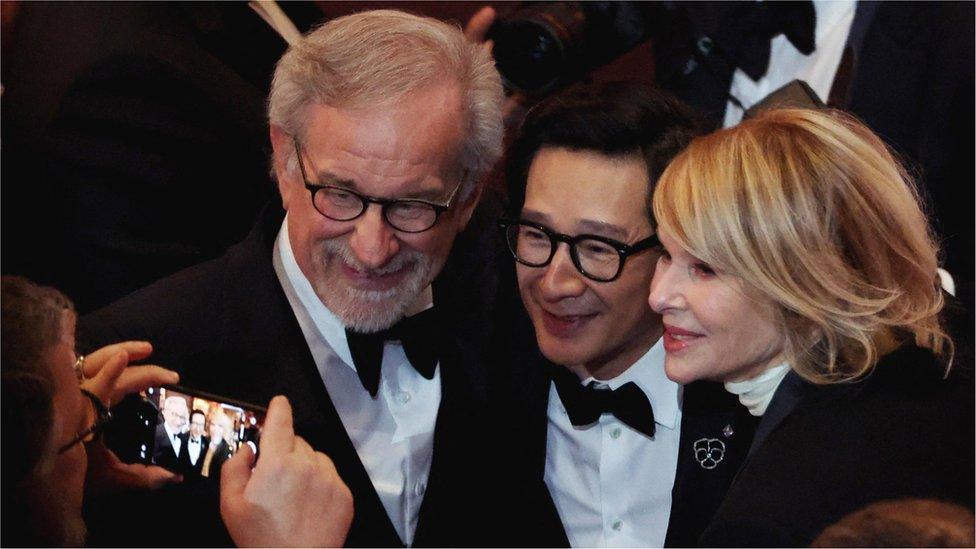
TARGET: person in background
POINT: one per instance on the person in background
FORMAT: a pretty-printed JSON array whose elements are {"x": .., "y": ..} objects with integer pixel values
[
  {"x": 902, "y": 523},
  {"x": 800, "y": 270},
  {"x": 601, "y": 449},
  {"x": 293, "y": 496}
]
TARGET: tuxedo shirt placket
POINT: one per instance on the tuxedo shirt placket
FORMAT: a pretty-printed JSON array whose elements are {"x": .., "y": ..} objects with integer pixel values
[
  {"x": 393, "y": 433},
  {"x": 174, "y": 440},
  {"x": 193, "y": 450},
  {"x": 612, "y": 484}
]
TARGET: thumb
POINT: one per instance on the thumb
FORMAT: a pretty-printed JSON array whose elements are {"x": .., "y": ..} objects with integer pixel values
[
  {"x": 235, "y": 474},
  {"x": 104, "y": 381}
]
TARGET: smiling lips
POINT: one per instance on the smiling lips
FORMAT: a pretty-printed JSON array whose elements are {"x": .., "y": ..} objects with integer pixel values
[
  {"x": 678, "y": 339},
  {"x": 565, "y": 326},
  {"x": 371, "y": 280}
]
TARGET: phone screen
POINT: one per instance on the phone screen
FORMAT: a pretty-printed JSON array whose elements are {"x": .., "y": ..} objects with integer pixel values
[{"x": 186, "y": 431}]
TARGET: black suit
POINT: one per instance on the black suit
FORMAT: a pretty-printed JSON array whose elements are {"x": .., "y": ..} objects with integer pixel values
[
  {"x": 221, "y": 453},
  {"x": 227, "y": 327},
  {"x": 164, "y": 454},
  {"x": 187, "y": 468},
  {"x": 520, "y": 398},
  {"x": 902, "y": 432}
]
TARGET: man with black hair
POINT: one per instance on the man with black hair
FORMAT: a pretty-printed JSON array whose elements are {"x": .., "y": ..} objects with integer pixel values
[{"x": 601, "y": 448}]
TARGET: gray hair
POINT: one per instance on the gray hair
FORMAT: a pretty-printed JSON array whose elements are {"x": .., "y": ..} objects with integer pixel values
[{"x": 376, "y": 58}]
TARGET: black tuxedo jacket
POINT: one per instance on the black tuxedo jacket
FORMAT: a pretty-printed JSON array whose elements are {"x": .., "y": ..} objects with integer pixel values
[
  {"x": 228, "y": 328},
  {"x": 187, "y": 468},
  {"x": 164, "y": 454},
  {"x": 902, "y": 432},
  {"x": 221, "y": 454},
  {"x": 519, "y": 397}
]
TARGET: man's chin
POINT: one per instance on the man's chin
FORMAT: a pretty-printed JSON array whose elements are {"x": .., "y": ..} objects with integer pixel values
[{"x": 368, "y": 311}]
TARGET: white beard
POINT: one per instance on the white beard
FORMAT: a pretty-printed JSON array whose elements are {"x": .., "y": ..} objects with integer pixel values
[{"x": 368, "y": 311}]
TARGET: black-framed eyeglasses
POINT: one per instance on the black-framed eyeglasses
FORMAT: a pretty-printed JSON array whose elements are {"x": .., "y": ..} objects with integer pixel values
[
  {"x": 102, "y": 416},
  {"x": 596, "y": 257},
  {"x": 408, "y": 215}
]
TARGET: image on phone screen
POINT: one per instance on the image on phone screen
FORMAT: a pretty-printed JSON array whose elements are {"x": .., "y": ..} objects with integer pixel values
[{"x": 193, "y": 433}]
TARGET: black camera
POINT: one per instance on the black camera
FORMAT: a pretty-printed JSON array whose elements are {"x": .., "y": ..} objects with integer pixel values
[{"x": 545, "y": 46}]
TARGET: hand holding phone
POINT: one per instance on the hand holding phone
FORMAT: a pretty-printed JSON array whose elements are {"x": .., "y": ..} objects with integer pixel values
[
  {"x": 293, "y": 496},
  {"x": 106, "y": 374}
]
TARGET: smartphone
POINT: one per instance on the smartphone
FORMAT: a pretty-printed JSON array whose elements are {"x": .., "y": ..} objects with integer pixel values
[{"x": 187, "y": 431}]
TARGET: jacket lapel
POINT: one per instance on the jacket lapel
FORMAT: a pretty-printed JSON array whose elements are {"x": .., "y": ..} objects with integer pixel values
[
  {"x": 716, "y": 432},
  {"x": 276, "y": 360}
]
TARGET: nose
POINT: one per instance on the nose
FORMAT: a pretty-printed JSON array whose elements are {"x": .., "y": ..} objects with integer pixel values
[
  {"x": 666, "y": 293},
  {"x": 561, "y": 279},
  {"x": 372, "y": 240}
]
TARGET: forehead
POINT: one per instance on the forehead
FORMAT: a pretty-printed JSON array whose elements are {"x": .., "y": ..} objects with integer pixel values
[
  {"x": 571, "y": 187},
  {"x": 381, "y": 148}
]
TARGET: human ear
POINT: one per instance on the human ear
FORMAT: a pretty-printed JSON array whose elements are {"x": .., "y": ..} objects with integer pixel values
[{"x": 283, "y": 146}]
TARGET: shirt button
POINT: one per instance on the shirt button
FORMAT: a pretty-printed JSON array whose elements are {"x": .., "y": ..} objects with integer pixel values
[
  {"x": 403, "y": 397},
  {"x": 616, "y": 525},
  {"x": 419, "y": 488},
  {"x": 615, "y": 434}
]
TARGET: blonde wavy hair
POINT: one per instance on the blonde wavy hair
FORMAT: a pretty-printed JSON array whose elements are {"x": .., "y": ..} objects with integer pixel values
[{"x": 813, "y": 213}]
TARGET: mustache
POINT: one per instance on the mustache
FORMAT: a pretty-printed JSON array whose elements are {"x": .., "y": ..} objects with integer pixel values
[{"x": 405, "y": 258}]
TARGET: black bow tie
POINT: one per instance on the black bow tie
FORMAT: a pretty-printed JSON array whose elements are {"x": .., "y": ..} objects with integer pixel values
[
  {"x": 585, "y": 405},
  {"x": 417, "y": 333},
  {"x": 749, "y": 26}
]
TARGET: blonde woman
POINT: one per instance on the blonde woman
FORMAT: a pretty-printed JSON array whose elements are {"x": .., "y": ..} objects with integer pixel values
[{"x": 800, "y": 270}]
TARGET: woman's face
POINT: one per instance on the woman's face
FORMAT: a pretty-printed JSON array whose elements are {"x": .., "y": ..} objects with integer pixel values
[{"x": 712, "y": 329}]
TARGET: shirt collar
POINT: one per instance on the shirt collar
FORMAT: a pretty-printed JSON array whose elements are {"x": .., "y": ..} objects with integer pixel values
[
  {"x": 648, "y": 373},
  {"x": 171, "y": 433},
  {"x": 829, "y": 13},
  {"x": 293, "y": 281}
]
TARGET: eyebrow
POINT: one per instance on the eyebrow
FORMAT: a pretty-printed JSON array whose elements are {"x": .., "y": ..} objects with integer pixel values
[
  {"x": 585, "y": 226},
  {"x": 326, "y": 178}
]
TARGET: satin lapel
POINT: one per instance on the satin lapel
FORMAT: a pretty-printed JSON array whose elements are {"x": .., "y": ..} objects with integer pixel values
[
  {"x": 447, "y": 514},
  {"x": 276, "y": 360},
  {"x": 716, "y": 432}
]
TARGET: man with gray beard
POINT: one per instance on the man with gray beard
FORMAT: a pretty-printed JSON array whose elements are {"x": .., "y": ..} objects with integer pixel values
[{"x": 343, "y": 298}]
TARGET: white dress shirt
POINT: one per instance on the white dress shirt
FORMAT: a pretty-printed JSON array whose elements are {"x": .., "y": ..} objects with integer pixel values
[
  {"x": 612, "y": 484},
  {"x": 786, "y": 63},
  {"x": 394, "y": 432},
  {"x": 174, "y": 439},
  {"x": 193, "y": 449}
]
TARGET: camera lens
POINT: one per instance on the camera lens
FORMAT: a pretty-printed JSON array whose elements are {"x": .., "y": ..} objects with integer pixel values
[{"x": 545, "y": 46}]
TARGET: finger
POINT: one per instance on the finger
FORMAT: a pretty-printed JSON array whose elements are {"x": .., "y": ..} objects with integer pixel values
[
  {"x": 148, "y": 477},
  {"x": 103, "y": 384},
  {"x": 236, "y": 472},
  {"x": 137, "y": 350},
  {"x": 139, "y": 378},
  {"x": 478, "y": 25},
  {"x": 278, "y": 433}
]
